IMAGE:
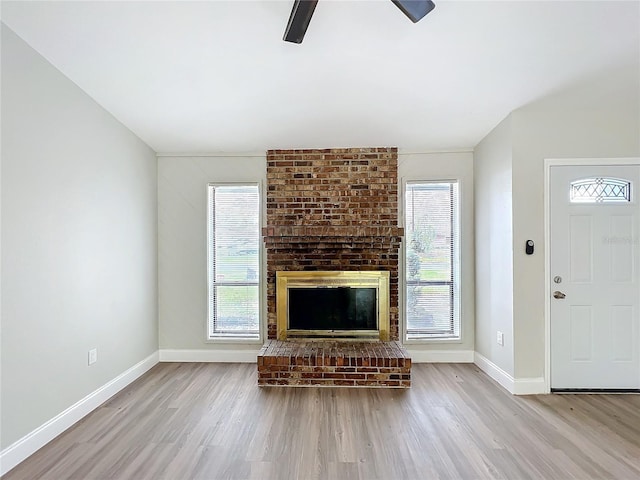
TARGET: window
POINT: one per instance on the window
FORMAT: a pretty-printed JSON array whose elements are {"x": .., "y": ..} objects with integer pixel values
[
  {"x": 600, "y": 190},
  {"x": 233, "y": 261},
  {"x": 432, "y": 260}
]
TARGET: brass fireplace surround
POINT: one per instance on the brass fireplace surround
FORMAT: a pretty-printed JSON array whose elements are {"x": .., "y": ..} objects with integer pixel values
[{"x": 333, "y": 279}]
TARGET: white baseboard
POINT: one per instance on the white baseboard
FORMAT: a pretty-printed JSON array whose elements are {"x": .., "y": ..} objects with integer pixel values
[
  {"x": 494, "y": 371},
  {"x": 530, "y": 386},
  {"x": 249, "y": 356},
  {"x": 515, "y": 386},
  {"x": 220, "y": 355},
  {"x": 440, "y": 356},
  {"x": 30, "y": 443}
]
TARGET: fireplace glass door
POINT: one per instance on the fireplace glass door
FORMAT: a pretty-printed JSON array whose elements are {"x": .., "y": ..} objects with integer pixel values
[{"x": 339, "y": 308}]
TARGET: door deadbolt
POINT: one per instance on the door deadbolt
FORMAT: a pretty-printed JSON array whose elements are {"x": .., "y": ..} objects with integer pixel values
[{"x": 557, "y": 279}]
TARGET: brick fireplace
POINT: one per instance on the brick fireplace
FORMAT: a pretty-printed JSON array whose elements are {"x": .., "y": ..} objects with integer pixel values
[{"x": 333, "y": 210}]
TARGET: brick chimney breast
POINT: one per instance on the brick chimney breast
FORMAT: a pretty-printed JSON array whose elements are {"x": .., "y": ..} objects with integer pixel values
[{"x": 332, "y": 209}]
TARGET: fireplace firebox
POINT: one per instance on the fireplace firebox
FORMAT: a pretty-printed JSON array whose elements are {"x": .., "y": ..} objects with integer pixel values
[{"x": 332, "y": 304}]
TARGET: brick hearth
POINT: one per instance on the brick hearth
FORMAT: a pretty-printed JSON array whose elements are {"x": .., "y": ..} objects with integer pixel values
[
  {"x": 331, "y": 363},
  {"x": 333, "y": 209}
]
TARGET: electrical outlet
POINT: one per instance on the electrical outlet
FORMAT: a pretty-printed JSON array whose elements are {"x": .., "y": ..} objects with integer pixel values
[
  {"x": 93, "y": 356},
  {"x": 500, "y": 339}
]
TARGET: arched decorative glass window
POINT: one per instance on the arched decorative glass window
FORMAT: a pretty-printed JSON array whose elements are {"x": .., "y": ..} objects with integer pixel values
[{"x": 600, "y": 190}]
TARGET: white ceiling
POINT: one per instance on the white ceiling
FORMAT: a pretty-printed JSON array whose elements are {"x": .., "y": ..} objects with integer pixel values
[{"x": 216, "y": 76}]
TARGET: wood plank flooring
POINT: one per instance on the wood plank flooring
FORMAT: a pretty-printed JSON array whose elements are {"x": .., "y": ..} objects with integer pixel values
[{"x": 211, "y": 421}]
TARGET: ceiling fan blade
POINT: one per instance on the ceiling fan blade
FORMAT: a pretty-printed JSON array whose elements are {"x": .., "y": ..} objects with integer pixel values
[
  {"x": 414, "y": 9},
  {"x": 299, "y": 20}
]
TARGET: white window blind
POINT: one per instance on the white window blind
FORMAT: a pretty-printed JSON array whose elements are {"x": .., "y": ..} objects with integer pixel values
[
  {"x": 431, "y": 261},
  {"x": 233, "y": 259}
]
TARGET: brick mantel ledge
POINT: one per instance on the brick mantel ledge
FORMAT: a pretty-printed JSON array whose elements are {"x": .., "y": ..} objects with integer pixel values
[{"x": 332, "y": 231}]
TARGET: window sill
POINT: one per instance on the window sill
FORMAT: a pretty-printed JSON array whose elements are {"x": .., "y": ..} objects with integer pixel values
[
  {"x": 432, "y": 340},
  {"x": 230, "y": 339}
]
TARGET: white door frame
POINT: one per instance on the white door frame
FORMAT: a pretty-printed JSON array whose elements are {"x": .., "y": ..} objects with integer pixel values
[{"x": 548, "y": 163}]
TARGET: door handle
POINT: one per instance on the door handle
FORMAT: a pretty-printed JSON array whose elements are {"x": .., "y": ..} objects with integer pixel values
[{"x": 558, "y": 294}]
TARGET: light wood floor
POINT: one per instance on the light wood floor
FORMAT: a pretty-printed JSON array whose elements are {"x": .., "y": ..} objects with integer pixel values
[{"x": 211, "y": 421}]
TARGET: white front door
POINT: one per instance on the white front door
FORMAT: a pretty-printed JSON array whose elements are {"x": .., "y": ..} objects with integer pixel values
[{"x": 595, "y": 277}]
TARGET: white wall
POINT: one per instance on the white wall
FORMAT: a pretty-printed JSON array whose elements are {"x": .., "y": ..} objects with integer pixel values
[
  {"x": 599, "y": 117},
  {"x": 182, "y": 258},
  {"x": 493, "y": 248},
  {"x": 79, "y": 243},
  {"x": 447, "y": 166}
]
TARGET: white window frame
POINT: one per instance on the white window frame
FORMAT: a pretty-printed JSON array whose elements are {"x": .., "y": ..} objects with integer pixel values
[
  {"x": 457, "y": 336},
  {"x": 251, "y": 338}
]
